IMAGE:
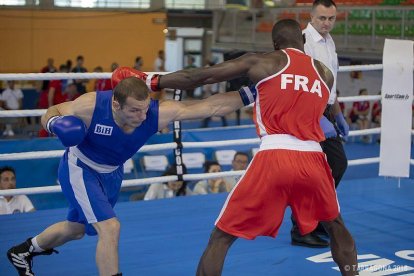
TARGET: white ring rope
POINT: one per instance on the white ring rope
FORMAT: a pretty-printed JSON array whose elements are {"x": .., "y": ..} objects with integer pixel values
[
  {"x": 146, "y": 148},
  {"x": 60, "y": 76},
  {"x": 81, "y": 76},
  {"x": 359, "y": 98},
  {"x": 125, "y": 184},
  {"x": 149, "y": 148},
  {"x": 165, "y": 146},
  {"x": 161, "y": 179},
  {"x": 40, "y": 112},
  {"x": 366, "y": 67}
]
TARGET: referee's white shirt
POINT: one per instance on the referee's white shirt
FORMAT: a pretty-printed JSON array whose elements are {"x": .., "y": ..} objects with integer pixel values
[{"x": 322, "y": 49}]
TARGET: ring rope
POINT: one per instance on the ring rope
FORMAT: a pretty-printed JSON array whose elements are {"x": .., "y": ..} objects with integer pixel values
[
  {"x": 81, "y": 76},
  {"x": 161, "y": 179},
  {"x": 165, "y": 146},
  {"x": 60, "y": 76},
  {"x": 40, "y": 112},
  {"x": 359, "y": 98}
]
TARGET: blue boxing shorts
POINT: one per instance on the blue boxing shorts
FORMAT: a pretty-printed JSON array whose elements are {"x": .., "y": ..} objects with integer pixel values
[{"x": 92, "y": 189}]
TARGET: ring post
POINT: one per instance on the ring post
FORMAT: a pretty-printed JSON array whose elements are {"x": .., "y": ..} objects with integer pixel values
[{"x": 396, "y": 117}]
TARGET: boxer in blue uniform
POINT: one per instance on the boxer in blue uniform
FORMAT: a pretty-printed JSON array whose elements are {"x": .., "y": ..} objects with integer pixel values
[{"x": 100, "y": 132}]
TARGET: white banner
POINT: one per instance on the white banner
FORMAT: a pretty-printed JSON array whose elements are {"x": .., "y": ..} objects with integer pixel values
[{"x": 397, "y": 99}]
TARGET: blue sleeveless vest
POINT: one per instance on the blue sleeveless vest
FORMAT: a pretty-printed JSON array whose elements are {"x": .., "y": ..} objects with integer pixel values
[{"x": 106, "y": 143}]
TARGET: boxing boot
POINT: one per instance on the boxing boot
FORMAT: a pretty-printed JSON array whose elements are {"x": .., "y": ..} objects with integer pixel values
[
  {"x": 308, "y": 240},
  {"x": 320, "y": 231},
  {"x": 20, "y": 256}
]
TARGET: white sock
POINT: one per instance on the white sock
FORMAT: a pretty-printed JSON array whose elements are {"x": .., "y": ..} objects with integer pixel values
[{"x": 36, "y": 246}]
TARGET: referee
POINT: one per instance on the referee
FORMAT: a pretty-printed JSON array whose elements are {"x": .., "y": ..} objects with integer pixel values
[{"x": 320, "y": 45}]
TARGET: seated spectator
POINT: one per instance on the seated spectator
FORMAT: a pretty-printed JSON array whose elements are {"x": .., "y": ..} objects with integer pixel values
[
  {"x": 239, "y": 163},
  {"x": 376, "y": 112},
  {"x": 210, "y": 186},
  {"x": 360, "y": 113},
  {"x": 169, "y": 189},
  {"x": 12, "y": 204},
  {"x": 11, "y": 99}
]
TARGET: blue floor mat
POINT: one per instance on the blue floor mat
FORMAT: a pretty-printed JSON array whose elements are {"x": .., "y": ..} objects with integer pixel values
[{"x": 167, "y": 237}]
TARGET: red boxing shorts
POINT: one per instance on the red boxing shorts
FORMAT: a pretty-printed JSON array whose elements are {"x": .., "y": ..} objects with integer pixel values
[{"x": 275, "y": 179}]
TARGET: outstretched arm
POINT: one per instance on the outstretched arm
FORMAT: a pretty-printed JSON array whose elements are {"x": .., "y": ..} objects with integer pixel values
[
  {"x": 192, "y": 78},
  {"x": 216, "y": 105}
]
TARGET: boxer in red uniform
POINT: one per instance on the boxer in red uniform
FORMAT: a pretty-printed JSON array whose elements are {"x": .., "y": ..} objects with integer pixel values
[{"x": 290, "y": 169}]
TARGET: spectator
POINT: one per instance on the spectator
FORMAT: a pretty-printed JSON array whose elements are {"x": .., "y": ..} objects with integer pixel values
[
  {"x": 376, "y": 112},
  {"x": 159, "y": 66},
  {"x": 239, "y": 163},
  {"x": 71, "y": 92},
  {"x": 57, "y": 88},
  {"x": 360, "y": 113},
  {"x": 69, "y": 65},
  {"x": 59, "y": 91},
  {"x": 80, "y": 84},
  {"x": 139, "y": 62},
  {"x": 12, "y": 204},
  {"x": 49, "y": 68},
  {"x": 104, "y": 84},
  {"x": 12, "y": 99},
  {"x": 210, "y": 186},
  {"x": 159, "y": 63},
  {"x": 168, "y": 189}
]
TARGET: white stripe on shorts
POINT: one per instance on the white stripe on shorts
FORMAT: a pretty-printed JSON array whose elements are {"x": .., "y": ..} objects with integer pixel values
[{"x": 79, "y": 189}]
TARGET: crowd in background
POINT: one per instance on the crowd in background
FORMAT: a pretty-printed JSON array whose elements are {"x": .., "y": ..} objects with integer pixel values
[{"x": 58, "y": 91}]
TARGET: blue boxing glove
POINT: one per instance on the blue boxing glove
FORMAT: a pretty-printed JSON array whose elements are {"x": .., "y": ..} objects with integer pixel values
[
  {"x": 70, "y": 129},
  {"x": 328, "y": 128},
  {"x": 248, "y": 94},
  {"x": 342, "y": 125}
]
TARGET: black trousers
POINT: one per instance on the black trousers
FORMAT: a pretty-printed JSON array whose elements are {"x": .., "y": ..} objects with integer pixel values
[{"x": 336, "y": 157}]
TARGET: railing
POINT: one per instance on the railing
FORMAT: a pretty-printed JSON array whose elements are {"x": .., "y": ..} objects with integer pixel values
[{"x": 360, "y": 29}]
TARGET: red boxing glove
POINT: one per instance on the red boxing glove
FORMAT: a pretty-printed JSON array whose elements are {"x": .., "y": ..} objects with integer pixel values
[{"x": 121, "y": 73}]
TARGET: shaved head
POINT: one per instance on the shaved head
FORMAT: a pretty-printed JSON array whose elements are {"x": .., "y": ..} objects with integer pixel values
[{"x": 287, "y": 33}]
